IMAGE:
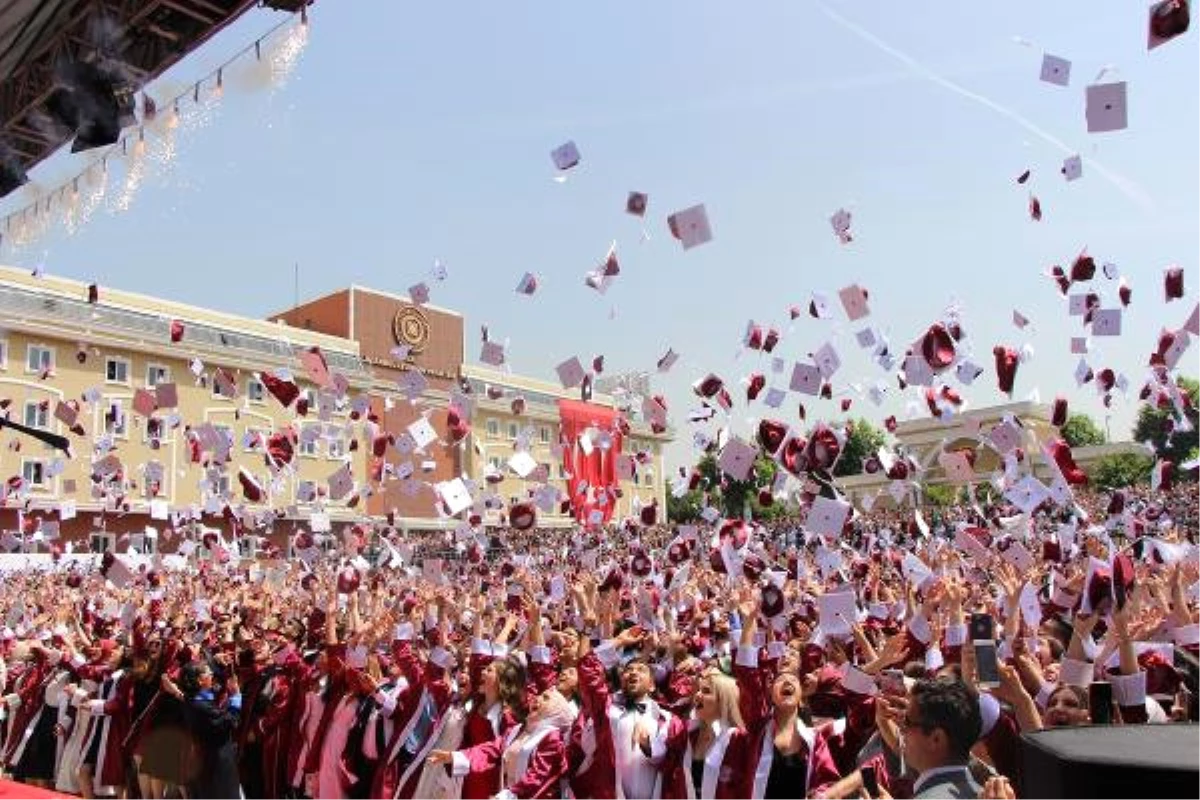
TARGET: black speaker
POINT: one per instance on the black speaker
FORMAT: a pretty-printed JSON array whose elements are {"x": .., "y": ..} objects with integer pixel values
[{"x": 1111, "y": 761}]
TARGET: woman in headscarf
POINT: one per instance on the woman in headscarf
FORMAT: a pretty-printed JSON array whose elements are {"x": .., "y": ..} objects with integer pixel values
[{"x": 531, "y": 758}]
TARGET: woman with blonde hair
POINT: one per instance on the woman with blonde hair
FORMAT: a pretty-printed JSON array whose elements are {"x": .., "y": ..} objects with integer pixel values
[{"x": 715, "y": 759}]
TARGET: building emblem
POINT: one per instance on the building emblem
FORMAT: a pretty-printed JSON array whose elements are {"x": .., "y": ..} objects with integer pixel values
[{"x": 411, "y": 328}]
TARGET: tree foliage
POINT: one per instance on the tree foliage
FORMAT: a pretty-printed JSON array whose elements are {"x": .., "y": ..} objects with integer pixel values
[
  {"x": 1081, "y": 430},
  {"x": 683, "y": 509},
  {"x": 1154, "y": 426},
  {"x": 862, "y": 443},
  {"x": 732, "y": 498},
  {"x": 940, "y": 494},
  {"x": 1121, "y": 470}
]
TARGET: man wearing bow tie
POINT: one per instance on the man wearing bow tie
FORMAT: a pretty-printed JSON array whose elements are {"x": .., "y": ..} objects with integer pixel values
[{"x": 624, "y": 738}]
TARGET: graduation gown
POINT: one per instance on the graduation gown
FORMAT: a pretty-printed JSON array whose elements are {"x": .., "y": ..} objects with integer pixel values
[
  {"x": 532, "y": 767},
  {"x": 599, "y": 773}
]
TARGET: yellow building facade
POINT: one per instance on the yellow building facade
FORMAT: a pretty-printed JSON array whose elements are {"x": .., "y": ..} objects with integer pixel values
[
  {"x": 136, "y": 475},
  {"x": 57, "y": 347}
]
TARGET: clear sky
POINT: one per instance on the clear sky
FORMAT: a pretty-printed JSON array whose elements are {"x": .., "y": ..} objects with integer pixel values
[{"x": 414, "y": 132}]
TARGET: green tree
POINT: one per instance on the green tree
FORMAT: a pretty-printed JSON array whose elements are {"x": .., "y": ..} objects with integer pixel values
[
  {"x": 940, "y": 494},
  {"x": 1081, "y": 430},
  {"x": 1152, "y": 427},
  {"x": 862, "y": 443},
  {"x": 685, "y": 508},
  {"x": 1121, "y": 470},
  {"x": 733, "y": 498}
]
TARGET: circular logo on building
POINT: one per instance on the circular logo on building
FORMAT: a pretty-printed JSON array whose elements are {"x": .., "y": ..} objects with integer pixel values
[{"x": 410, "y": 327}]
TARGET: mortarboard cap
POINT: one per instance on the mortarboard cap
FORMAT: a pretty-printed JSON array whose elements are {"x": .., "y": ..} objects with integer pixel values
[
  {"x": 1058, "y": 416},
  {"x": 1056, "y": 70},
  {"x": 528, "y": 284},
  {"x": 667, "y": 361},
  {"x": 737, "y": 459},
  {"x": 1167, "y": 19},
  {"x": 937, "y": 347},
  {"x": 840, "y": 222},
  {"x": 348, "y": 580},
  {"x": 854, "y": 302},
  {"x": 1173, "y": 283},
  {"x": 1106, "y": 109},
  {"x": 1059, "y": 452},
  {"x": 1006, "y": 367},
  {"x": 1106, "y": 322},
  {"x": 690, "y": 226},
  {"x": 565, "y": 156},
  {"x": 419, "y": 293},
  {"x": 570, "y": 373},
  {"x": 1072, "y": 168},
  {"x": 636, "y": 203},
  {"x": 522, "y": 516},
  {"x": 772, "y": 601}
]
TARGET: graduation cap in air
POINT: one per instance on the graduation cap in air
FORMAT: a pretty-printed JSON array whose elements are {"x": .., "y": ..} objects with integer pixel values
[
  {"x": 1168, "y": 19},
  {"x": 1173, "y": 283}
]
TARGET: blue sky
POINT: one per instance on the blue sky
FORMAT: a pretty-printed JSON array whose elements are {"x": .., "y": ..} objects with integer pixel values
[{"x": 409, "y": 133}]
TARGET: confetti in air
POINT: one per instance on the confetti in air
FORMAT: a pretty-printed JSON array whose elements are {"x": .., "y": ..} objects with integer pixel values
[
  {"x": 150, "y": 150},
  {"x": 134, "y": 176},
  {"x": 287, "y": 55}
]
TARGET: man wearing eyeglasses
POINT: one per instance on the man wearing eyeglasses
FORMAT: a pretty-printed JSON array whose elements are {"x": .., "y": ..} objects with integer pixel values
[{"x": 941, "y": 724}]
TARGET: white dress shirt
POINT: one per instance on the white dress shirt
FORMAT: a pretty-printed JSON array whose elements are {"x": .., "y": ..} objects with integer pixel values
[{"x": 636, "y": 772}]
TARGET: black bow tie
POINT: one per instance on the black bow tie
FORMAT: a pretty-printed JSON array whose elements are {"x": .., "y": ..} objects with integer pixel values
[{"x": 631, "y": 705}]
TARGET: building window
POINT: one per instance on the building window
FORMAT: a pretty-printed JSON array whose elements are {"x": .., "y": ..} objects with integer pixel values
[
  {"x": 33, "y": 471},
  {"x": 227, "y": 433},
  {"x": 562, "y": 472},
  {"x": 496, "y": 462},
  {"x": 146, "y": 545},
  {"x": 649, "y": 477},
  {"x": 247, "y": 546},
  {"x": 156, "y": 374},
  {"x": 544, "y": 435},
  {"x": 39, "y": 358},
  {"x": 253, "y": 438},
  {"x": 255, "y": 390},
  {"x": 493, "y": 428},
  {"x": 308, "y": 440},
  {"x": 116, "y": 370},
  {"x": 336, "y": 447},
  {"x": 37, "y": 415},
  {"x": 512, "y": 430},
  {"x": 306, "y": 491},
  {"x": 156, "y": 430},
  {"x": 3, "y": 353},
  {"x": 101, "y": 542},
  {"x": 115, "y": 421}
]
